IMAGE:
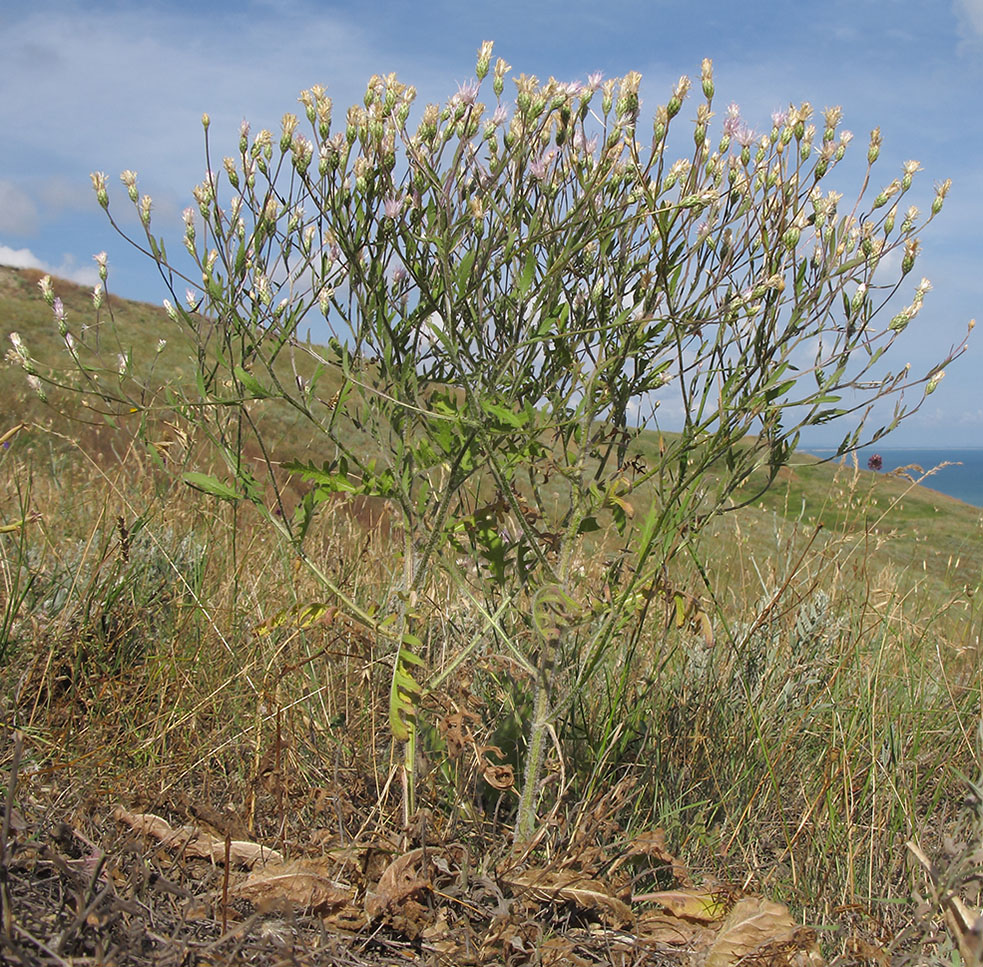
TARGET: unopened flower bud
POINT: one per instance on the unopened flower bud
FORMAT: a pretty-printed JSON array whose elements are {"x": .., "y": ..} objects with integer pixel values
[
  {"x": 934, "y": 382},
  {"x": 856, "y": 303},
  {"x": 890, "y": 219},
  {"x": 940, "y": 192}
]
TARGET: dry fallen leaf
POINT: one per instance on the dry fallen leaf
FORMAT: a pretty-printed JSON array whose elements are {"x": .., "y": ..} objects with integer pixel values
[
  {"x": 568, "y": 886},
  {"x": 758, "y": 931},
  {"x": 195, "y": 842},
  {"x": 965, "y": 924},
  {"x": 652, "y": 844},
  {"x": 399, "y": 883},
  {"x": 657, "y": 927},
  {"x": 302, "y": 884}
]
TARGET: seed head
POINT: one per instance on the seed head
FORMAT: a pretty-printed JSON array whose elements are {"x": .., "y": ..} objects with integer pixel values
[
  {"x": 874, "y": 148},
  {"x": 911, "y": 248},
  {"x": 484, "y": 59},
  {"x": 99, "y": 186},
  {"x": 706, "y": 75},
  {"x": 145, "y": 205},
  {"x": 501, "y": 69},
  {"x": 910, "y": 168},
  {"x": 679, "y": 93}
]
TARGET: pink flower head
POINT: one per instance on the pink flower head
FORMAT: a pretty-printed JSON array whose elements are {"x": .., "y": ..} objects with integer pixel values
[
  {"x": 594, "y": 80},
  {"x": 466, "y": 93},
  {"x": 393, "y": 207},
  {"x": 537, "y": 168},
  {"x": 735, "y": 128}
]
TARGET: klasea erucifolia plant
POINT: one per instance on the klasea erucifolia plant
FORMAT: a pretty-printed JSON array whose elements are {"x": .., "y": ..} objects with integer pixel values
[{"x": 510, "y": 293}]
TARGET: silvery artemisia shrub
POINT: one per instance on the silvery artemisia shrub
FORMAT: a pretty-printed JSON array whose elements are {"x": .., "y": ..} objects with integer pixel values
[{"x": 91, "y": 589}]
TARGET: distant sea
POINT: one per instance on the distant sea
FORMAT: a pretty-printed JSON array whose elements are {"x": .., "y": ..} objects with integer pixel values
[{"x": 964, "y": 482}]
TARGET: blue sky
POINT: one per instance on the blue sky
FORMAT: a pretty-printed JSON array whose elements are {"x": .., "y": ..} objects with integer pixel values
[{"x": 98, "y": 85}]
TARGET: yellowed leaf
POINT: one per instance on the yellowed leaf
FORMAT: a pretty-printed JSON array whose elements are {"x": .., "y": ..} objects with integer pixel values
[{"x": 701, "y": 906}]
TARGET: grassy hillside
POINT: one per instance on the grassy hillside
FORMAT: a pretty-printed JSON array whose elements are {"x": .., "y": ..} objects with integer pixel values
[{"x": 160, "y": 650}]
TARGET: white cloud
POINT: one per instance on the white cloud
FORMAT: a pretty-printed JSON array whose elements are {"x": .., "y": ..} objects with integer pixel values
[
  {"x": 18, "y": 213},
  {"x": 970, "y": 15},
  {"x": 24, "y": 258}
]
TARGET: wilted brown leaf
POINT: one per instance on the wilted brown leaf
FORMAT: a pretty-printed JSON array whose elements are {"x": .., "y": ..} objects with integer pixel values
[
  {"x": 652, "y": 844},
  {"x": 569, "y": 886},
  {"x": 964, "y": 924},
  {"x": 760, "y": 932},
  {"x": 560, "y": 952},
  {"x": 400, "y": 882},
  {"x": 301, "y": 884},
  {"x": 195, "y": 842},
  {"x": 663, "y": 928}
]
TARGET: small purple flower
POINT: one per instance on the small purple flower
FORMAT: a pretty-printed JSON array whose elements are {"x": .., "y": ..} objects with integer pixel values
[
  {"x": 594, "y": 80},
  {"x": 875, "y": 463}
]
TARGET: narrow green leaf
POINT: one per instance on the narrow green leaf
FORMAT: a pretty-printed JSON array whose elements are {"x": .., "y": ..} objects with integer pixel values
[
  {"x": 210, "y": 485},
  {"x": 251, "y": 384}
]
